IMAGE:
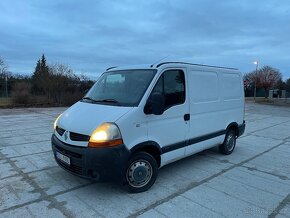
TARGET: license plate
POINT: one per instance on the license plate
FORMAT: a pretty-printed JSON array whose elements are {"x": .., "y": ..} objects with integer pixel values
[{"x": 63, "y": 158}]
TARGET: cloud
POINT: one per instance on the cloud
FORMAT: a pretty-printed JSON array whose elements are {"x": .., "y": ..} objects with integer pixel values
[{"x": 93, "y": 35}]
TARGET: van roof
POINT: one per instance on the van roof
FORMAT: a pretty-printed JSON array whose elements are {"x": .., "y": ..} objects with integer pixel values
[{"x": 173, "y": 63}]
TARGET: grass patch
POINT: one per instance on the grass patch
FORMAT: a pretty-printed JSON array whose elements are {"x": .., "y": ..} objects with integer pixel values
[{"x": 4, "y": 102}]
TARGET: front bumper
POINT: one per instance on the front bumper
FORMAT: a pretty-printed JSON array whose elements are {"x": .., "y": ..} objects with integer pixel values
[{"x": 100, "y": 164}]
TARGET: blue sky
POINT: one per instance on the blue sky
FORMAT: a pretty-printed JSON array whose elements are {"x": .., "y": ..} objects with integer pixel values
[{"x": 92, "y": 35}]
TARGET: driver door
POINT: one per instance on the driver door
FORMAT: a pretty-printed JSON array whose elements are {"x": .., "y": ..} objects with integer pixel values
[{"x": 170, "y": 129}]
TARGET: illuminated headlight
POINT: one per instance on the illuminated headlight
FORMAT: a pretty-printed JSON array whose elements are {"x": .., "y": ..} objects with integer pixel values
[
  {"x": 106, "y": 135},
  {"x": 55, "y": 122}
]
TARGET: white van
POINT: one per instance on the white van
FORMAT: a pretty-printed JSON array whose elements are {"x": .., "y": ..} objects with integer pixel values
[{"x": 135, "y": 120}]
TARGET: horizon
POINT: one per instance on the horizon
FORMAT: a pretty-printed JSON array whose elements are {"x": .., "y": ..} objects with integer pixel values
[{"x": 97, "y": 75}]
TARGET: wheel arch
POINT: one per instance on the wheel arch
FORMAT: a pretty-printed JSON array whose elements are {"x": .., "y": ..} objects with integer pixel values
[
  {"x": 234, "y": 126},
  {"x": 151, "y": 147}
]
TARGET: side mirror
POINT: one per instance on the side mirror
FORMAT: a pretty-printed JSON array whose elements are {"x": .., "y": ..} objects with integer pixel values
[{"x": 155, "y": 104}]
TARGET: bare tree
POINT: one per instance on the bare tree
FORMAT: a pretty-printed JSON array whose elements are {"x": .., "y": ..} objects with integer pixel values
[
  {"x": 61, "y": 70},
  {"x": 3, "y": 67},
  {"x": 266, "y": 77},
  {"x": 280, "y": 85},
  {"x": 4, "y": 74},
  {"x": 62, "y": 81}
]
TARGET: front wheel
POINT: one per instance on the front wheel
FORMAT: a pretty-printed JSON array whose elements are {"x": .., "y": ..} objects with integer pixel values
[
  {"x": 229, "y": 143},
  {"x": 141, "y": 172}
]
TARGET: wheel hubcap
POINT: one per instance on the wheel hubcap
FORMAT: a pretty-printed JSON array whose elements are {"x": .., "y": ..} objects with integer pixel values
[
  {"x": 139, "y": 173},
  {"x": 231, "y": 141}
]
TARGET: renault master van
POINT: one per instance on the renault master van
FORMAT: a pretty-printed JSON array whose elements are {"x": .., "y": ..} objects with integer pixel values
[{"x": 135, "y": 120}]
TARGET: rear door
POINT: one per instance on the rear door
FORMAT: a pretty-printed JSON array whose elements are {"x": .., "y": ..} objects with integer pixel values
[{"x": 170, "y": 129}]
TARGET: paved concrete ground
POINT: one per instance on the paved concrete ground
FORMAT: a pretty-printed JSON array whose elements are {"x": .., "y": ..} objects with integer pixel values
[{"x": 252, "y": 182}]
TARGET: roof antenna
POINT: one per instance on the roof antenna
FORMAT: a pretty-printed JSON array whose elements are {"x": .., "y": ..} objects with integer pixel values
[{"x": 159, "y": 60}]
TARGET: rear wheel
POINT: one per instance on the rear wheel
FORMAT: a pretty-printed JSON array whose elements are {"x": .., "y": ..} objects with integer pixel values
[
  {"x": 229, "y": 143},
  {"x": 141, "y": 172}
]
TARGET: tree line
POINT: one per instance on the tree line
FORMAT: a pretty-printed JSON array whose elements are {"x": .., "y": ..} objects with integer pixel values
[
  {"x": 266, "y": 78},
  {"x": 55, "y": 84},
  {"x": 58, "y": 84}
]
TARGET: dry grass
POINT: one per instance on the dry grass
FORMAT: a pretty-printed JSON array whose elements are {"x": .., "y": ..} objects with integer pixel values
[{"x": 4, "y": 102}]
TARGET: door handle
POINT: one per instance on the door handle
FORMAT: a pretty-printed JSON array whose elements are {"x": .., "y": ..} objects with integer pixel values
[{"x": 186, "y": 117}]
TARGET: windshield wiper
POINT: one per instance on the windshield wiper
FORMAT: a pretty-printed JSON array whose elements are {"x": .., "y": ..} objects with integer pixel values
[
  {"x": 109, "y": 100},
  {"x": 89, "y": 98}
]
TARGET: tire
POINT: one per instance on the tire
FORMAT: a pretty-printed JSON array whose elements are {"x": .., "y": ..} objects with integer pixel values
[
  {"x": 141, "y": 172},
  {"x": 229, "y": 143}
]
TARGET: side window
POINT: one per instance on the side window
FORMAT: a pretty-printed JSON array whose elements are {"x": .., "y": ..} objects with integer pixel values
[{"x": 172, "y": 85}]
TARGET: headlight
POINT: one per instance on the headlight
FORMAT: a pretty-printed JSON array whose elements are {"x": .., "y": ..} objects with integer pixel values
[
  {"x": 55, "y": 122},
  {"x": 106, "y": 135}
]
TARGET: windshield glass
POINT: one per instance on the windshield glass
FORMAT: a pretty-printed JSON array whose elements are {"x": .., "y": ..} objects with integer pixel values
[{"x": 122, "y": 88}]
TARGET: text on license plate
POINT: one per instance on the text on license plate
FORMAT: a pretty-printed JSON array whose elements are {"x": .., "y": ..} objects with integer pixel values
[{"x": 63, "y": 158}]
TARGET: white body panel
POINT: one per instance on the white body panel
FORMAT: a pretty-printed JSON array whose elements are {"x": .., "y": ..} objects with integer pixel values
[
  {"x": 133, "y": 127},
  {"x": 216, "y": 100},
  {"x": 84, "y": 118}
]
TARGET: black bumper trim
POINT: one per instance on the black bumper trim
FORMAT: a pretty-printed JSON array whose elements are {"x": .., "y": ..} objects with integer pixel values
[
  {"x": 192, "y": 141},
  {"x": 100, "y": 164}
]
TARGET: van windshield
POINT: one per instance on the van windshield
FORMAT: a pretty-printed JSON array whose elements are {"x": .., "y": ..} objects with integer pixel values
[{"x": 121, "y": 88}]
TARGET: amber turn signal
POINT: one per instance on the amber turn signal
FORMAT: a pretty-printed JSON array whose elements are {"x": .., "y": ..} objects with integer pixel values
[{"x": 112, "y": 143}]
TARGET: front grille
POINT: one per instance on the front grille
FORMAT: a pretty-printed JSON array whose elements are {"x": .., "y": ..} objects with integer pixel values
[
  {"x": 59, "y": 130},
  {"x": 78, "y": 137},
  {"x": 73, "y": 168}
]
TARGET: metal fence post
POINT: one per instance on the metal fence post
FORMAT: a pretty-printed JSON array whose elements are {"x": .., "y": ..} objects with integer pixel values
[{"x": 6, "y": 86}]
